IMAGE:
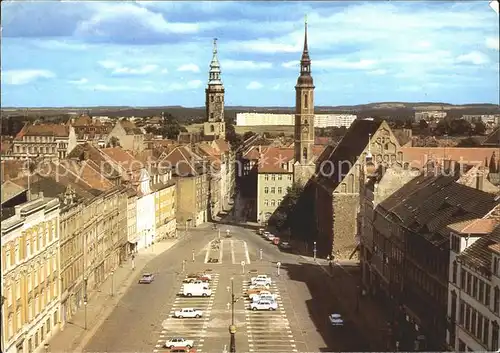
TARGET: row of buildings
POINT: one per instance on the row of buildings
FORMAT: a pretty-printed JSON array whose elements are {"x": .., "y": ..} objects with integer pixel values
[
  {"x": 270, "y": 119},
  {"x": 68, "y": 223},
  {"x": 490, "y": 120}
]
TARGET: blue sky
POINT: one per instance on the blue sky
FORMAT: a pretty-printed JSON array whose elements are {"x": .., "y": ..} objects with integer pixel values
[{"x": 157, "y": 53}]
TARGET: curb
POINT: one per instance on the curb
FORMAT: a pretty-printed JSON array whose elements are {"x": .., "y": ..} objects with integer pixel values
[{"x": 87, "y": 336}]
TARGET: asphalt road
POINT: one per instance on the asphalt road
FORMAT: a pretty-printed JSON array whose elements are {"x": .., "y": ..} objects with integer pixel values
[{"x": 142, "y": 320}]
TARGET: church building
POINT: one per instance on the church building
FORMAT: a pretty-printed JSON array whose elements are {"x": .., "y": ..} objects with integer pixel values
[{"x": 214, "y": 101}]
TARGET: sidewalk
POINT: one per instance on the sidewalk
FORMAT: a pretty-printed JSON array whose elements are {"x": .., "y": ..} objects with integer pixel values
[
  {"x": 361, "y": 310},
  {"x": 73, "y": 337}
]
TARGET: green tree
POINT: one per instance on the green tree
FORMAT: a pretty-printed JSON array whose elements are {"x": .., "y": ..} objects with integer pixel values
[
  {"x": 423, "y": 124},
  {"x": 479, "y": 128},
  {"x": 284, "y": 214}
]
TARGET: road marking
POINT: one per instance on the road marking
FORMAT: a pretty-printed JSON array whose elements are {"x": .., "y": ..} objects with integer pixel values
[
  {"x": 246, "y": 252},
  {"x": 232, "y": 252},
  {"x": 208, "y": 252},
  {"x": 221, "y": 247}
]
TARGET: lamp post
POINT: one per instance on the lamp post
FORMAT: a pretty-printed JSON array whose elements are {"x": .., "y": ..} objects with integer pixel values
[
  {"x": 112, "y": 283},
  {"x": 314, "y": 251},
  {"x": 232, "y": 327},
  {"x": 85, "y": 280},
  {"x": 193, "y": 255}
]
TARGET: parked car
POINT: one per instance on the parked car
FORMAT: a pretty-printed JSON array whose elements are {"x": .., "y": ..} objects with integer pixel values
[
  {"x": 265, "y": 278},
  {"x": 182, "y": 350},
  {"x": 191, "y": 277},
  {"x": 284, "y": 245},
  {"x": 276, "y": 240},
  {"x": 188, "y": 312},
  {"x": 270, "y": 237},
  {"x": 264, "y": 295},
  {"x": 260, "y": 231},
  {"x": 204, "y": 277},
  {"x": 255, "y": 290},
  {"x": 336, "y": 320},
  {"x": 264, "y": 305},
  {"x": 259, "y": 293},
  {"x": 147, "y": 278},
  {"x": 179, "y": 342},
  {"x": 266, "y": 234}
]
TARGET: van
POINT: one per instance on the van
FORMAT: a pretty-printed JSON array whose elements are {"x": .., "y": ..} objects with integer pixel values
[{"x": 196, "y": 290}]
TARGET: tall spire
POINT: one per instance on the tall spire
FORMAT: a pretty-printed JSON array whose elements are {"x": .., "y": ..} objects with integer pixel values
[
  {"x": 306, "y": 50},
  {"x": 214, "y": 74},
  {"x": 305, "y": 60}
]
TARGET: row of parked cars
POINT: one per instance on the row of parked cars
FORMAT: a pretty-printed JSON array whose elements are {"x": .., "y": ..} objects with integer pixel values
[
  {"x": 260, "y": 295},
  {"x": 283, "y": 245}
]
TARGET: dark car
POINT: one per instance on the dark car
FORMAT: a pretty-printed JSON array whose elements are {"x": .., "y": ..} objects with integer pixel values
[
  {"x": 147, "y": 278},
  {"x": 284, "y": 245}
]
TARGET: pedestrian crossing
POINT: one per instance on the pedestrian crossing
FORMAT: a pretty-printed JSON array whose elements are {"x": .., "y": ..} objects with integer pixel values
[
  {"x": 188, "y": 328},
  {"x": 227, "y": 251},
  {"x": 268, "y": 331}
]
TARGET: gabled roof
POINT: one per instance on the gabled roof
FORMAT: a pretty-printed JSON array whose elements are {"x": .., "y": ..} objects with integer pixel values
[
  {"x": 10, "y": 190},
  {"x": 222, "y": 145},
  {"x": 428, "y": 204},
  {"x": 493, "y": 139},
  {"x": 56, "y": 130},
  {"x": 273, "y": 158},
  {"x": 123, "y": 158},
  {"x": 479, "y": 255},
  {"x": 184, "y": 162},
  {"x": 347, "y": 151}
]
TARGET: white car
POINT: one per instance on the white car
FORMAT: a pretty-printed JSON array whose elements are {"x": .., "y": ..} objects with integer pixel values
[
  {"x": 260, "y": 283},
  {"x": 264, "y": 305},
  {"x": 262, "y": 292},
  {"x": 336, "y": 320},
  {"x": 261, "y": 278},
  {"x": 179, "y": 342},
  {"x": 270, "y": 237},
  {"x": 188, "y": 312},
  {"x": 264, "y": 295}
]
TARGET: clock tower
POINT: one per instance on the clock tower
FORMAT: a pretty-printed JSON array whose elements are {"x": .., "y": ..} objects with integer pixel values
[
  {"x": 214, "y": 100},
  {"x": 304, "y": 119}
]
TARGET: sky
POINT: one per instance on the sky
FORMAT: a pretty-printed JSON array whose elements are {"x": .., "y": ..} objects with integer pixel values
[{"x": 158, "y": 53}]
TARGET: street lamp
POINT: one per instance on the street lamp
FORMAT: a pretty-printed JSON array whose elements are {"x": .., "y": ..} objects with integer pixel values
[
  {"x": 314, "y": 251},
  {"x": 193, "y": 255},
  {"x": 112, "y": 283},
  {"x": 232, "y": 327}
]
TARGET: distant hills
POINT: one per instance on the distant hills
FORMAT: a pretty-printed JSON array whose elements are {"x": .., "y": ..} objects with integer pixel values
[{"x": 399, "y": 110}]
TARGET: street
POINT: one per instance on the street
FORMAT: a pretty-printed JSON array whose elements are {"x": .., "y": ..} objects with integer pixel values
[{"x": 142, "y": 320}]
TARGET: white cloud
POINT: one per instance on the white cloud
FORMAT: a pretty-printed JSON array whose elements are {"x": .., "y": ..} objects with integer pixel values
[
  {"x": 378, "y": 72},
  {"x": 189, "y": 68},
  {"x": 276, "y": 87},
  {"x": 164, "y": 71},
  {"x": 245, "y": 65},
  {"x": 473, "y": 57},
  {"x": 121, "y": 88},
  {"x": 53, "y": 44},
  {"x": 118, "y": 69},
  {"x": 264, "y": 46},
  {"x": 361, "y": 64},
  {"x": 21, "y": 77},
  {"x": 81, "y": 81},
  {"x": 145, "y": 86},
  {"x": 254, "y": 85},
  {"x": 493, "y": 43},
  {"x": 193, "y": 84}
]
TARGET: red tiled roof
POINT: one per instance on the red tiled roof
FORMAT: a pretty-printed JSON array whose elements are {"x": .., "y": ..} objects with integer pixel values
[
  {"x": 419, "y": 156},
  {"x": 56, "y": 130},
  {"x": 272, "y": 158},
  {"x": 475, "y": 226},
  {"x": 222, "y": 145},
  {"x": 123, "y": 158}
]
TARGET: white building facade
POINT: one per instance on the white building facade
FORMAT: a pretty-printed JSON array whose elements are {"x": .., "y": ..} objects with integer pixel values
[
  {"x": 145, "y": 213},
  {"x": 31, "y": 295},
  {"x": 474, "y": 287},
  {"x": 269, "y": 119}
]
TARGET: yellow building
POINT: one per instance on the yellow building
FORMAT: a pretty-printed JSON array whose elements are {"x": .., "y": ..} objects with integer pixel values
[
  {"x": 165, "y": 206},
  {"x": 30, "y": 275}
]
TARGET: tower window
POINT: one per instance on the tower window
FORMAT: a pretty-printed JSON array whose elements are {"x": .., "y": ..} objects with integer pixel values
[
  {"x": 212, "y": 129},
  {"x": 211, "y": 98},
  {"x": 211, "y": 115},
  {"x": 304, "y": 153},
  {"x": 306, "y": 98}
]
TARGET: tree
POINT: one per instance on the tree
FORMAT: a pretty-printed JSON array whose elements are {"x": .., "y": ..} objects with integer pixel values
[
  {"x": 423, "y": 124},
  {"x": 113, "y": 142},
  {"x": 285, "y": 213},
  {"x": 247, "y": 135},
  {"x": 479, "y": 128},
  {"x": 468, "y": 142}
]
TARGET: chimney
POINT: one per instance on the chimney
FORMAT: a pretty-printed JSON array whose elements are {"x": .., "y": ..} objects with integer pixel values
[
  {"x": 17, "y": 209},
  {"x": 479, "y": 180}
]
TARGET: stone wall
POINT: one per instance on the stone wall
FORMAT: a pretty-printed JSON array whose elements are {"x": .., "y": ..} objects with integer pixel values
[{"x": 344, "y": 225}]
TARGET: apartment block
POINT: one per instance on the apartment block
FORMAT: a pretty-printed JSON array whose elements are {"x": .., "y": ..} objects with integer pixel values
[{"x": 31, "y": 291}]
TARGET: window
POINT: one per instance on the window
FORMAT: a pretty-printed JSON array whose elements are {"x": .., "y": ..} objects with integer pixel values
[
  {"x": 289, "y": 176},
  {"x": 496, "y": 300},
  {"x": 486, "y": 331},
  {"x": 306, "y": 98},
  {"x": 19, "y": 322},
  {"x": 454, "y": 272},
  {"x": 10, "y": 331},
  {"x": 487, "y": 295},
  {"x": 469, "y": 283},
  {"x": 480, "y": 325},
  {"x": 266, "y": 202},
  {"x": 18, "y": 289},
  {"x": 473, "y": 327},
  {"x": 455, "y": 244},
  {"x": 280, "y": 190},
  {"x": 273, "y": 177},
  {"x": 273, "y": 202},
  {"x": 266, "y": 190},
  {"x": 494, "y": 336},
  {"x": 273, "y": 189},
  {"x": 481, "y": 292},
  {"x": 266, "y": 177},
  {"x": 28, "y": 248},
  {"x": 280, "y": 177},
  {"x": 467, "y": 317},
  {"x": 474, "y": 286},
  {"x": 30, "y": 345},
  {"x": 304, "y": 153},
  {"x": 30, "y": 310}
]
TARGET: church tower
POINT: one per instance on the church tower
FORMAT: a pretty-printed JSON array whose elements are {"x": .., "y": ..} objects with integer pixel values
[
  {"x": 304, "y": 119},
  {"x": 214, "y": 100}
]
